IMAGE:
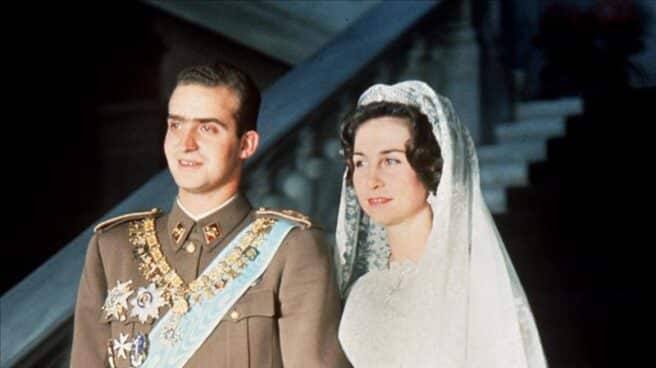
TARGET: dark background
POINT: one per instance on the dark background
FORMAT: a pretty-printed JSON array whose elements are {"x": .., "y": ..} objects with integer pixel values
[
  {"x": 75, "y": 72},
  {"x": 87, "y": 99}
]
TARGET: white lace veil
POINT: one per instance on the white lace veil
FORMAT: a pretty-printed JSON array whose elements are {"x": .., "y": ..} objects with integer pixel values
[{"x": 482, "y": 317}]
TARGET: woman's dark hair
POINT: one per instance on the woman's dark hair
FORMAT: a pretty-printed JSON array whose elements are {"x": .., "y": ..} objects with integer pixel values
[{"x": 422, "y": 150}]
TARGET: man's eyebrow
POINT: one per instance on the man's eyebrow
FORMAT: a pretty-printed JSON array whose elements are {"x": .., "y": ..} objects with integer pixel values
[
  {"x": 176, "y": 117},
  {"x": 211, "y": 120},
  {"x": 200, "y": 120}
]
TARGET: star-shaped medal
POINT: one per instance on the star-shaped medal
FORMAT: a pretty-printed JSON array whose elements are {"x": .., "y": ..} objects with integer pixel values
[
  {"x": 116, "y": 302},
  {"x": 122, "y": 346},
  {"x": 147, "y": 302}
]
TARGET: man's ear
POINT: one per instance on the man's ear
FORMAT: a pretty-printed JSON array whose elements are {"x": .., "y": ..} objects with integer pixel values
[{"x": 248, "y": 144}]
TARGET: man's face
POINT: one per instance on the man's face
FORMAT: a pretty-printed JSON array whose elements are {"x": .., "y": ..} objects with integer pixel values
[{"x": 201, "y": 144}]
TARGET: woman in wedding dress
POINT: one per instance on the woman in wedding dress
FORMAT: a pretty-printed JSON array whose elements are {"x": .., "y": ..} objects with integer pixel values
[{"x": 425, "y": 274}]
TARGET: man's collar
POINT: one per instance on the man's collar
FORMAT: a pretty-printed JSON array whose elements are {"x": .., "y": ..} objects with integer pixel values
[
  {"x": 211, "y": 228},
  {"x": 206, "y": 213}
]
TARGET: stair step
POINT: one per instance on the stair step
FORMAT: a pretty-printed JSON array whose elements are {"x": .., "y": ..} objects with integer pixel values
[
  {"x": 495, "y": 198},
  {"x": 517, "y": 152},
  {"x": 549, "y": 108},
  {"x": 503, "y": 174},
  {"x": 530, "y": 130}
]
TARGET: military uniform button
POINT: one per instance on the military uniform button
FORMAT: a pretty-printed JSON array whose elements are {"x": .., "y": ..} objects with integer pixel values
[
  {"x": 190, "y": 247},
  {"x": 234, "y": 315}
]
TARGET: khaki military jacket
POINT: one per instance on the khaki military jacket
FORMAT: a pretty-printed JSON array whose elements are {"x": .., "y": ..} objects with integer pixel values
[{"x": 288, "y": 318}]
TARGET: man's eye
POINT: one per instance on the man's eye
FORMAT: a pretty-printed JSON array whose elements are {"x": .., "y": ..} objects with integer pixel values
[
  {"x": 174, "y": 125},
  {"x": 208, "y": 128},
  {"x": 358, "y": 163}
]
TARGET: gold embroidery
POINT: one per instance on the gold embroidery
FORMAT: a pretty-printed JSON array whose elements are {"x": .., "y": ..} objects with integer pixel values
[
  {"x": 111, "y": 363},
  {"x": 108, "y": 224},
  {"x": 155, "y": 268},
  {"x": 287, "y": 214}
]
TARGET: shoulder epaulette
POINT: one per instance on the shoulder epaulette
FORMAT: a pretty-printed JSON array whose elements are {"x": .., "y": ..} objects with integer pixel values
[
  {"x": 291, "y": 215},
  {"x": 110, "y": 223}
]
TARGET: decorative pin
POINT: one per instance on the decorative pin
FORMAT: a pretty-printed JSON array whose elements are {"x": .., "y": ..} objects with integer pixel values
[
  {"x": 139, "y": 350},
  {"x": 211, "y": 232},
  {"x": 110, "y": 355},
  {"x": 251, "y": 252},
  {"x": 177, "y": 232},
  {"x": 116, "y": 302},
  {"x": 170, "y": 334},
  {"x": 122, "y": 346},
  {"x": 180, "y": 305},
  {"x": 147, "y": 302},
  {"x": 218, "y": 285}
]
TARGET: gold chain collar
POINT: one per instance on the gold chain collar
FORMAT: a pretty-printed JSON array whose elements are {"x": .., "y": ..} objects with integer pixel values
[{"x": 179, "y": 296}]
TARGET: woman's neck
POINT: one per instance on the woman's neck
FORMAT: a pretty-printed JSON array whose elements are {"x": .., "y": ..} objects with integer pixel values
[{"x": 408, "y": 239}]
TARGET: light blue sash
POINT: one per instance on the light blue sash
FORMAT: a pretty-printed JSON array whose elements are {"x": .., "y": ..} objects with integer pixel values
[{"x": 198, "y": 323}]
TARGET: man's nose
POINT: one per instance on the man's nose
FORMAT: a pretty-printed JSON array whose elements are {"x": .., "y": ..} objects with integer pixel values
[{"x": 189, "y": 140}]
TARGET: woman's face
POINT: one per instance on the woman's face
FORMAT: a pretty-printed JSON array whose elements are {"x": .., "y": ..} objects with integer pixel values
[{"x": 387, "y": 187}]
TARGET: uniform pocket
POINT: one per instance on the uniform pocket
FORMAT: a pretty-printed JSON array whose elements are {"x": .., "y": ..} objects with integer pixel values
[
  {"x": 255, "y": 303},
  {"x": 252, "y": 329}
]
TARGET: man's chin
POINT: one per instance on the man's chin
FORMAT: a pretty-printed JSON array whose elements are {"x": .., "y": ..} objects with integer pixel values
[{"x": 190, "y": 186}]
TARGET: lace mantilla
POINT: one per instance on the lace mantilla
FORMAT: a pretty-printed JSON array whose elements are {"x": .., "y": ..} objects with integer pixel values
[{"x": 462, "y": 305}]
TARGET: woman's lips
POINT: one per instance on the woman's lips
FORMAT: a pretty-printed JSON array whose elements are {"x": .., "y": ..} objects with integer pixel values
[{"x": 378, "y": 201}]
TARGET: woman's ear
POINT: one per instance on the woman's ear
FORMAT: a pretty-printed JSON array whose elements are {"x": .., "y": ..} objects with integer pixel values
[{"x": 248, "y": 144}]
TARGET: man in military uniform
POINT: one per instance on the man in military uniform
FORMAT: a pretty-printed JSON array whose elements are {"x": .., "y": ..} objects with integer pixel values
[{"x": 213, "y": 283}]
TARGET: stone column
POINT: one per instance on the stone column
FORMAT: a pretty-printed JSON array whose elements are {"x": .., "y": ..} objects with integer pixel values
[{"x": 452, "y": 68}]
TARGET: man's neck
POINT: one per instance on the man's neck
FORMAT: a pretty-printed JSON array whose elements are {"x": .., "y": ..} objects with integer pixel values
[{"x": 198, "y": 204}]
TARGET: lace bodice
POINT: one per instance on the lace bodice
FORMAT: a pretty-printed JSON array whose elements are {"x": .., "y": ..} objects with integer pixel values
[{"x": 381, "y": 324}]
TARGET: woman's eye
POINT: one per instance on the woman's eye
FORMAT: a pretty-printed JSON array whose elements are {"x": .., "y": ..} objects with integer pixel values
[
  {"x": 392, "y": 161},
  {"x": 174, "y": 125},
  {"x": 358, "y": 163}
]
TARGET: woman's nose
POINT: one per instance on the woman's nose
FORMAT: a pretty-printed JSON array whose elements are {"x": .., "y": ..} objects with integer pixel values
[{"x": 373, "y": 178}]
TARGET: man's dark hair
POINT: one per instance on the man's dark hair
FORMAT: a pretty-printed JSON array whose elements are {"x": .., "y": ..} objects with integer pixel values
[
  {"x": 422, "y": 151},
  {"x": 223, "y": 74}
]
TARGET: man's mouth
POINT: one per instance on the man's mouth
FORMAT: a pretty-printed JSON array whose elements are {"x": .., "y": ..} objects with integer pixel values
[{"x": 189, "y": 163}]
